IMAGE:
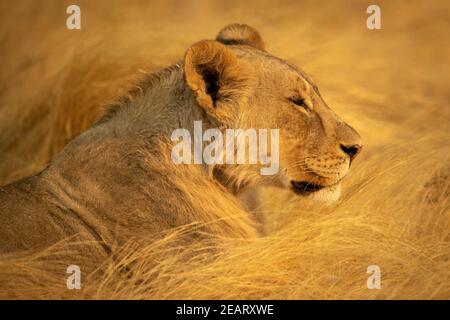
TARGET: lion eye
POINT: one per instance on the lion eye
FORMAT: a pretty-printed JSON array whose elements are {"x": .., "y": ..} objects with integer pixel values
[{"x": 299, "y": 102}]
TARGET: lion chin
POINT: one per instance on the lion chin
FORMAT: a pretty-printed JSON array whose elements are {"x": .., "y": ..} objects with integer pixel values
[
  {"x": 328, "y": 195},
  {"x": 322, "y": 194}
]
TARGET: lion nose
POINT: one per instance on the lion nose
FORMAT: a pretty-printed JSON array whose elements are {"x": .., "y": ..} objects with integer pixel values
[{"x": 351, "y": 150}]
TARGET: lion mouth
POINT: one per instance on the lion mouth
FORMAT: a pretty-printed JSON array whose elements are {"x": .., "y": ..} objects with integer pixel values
[{"x": 304, "y": 187}]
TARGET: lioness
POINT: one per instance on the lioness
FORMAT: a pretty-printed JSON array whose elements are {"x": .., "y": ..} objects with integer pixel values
[{"x": 117, "y": 180}]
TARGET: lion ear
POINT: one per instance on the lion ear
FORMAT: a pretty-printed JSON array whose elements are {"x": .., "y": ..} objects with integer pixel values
[
  {"x": 240, "y": 34},
  {"x": 215, "y": 76}
]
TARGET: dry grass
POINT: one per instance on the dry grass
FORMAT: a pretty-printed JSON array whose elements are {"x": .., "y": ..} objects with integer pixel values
[{"x": 391, "y": 85}]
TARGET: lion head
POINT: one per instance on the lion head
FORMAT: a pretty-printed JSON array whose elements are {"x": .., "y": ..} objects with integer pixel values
[{"x": 238, "y": 84}]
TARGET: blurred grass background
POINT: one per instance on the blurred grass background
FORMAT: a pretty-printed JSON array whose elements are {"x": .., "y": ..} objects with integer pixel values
[{"x": 392, "y": 85}]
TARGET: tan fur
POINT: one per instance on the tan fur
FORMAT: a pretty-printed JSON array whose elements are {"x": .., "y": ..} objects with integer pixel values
[
  {"x": 54, "y": 82},
  {"x": 116, "y": 180}
]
